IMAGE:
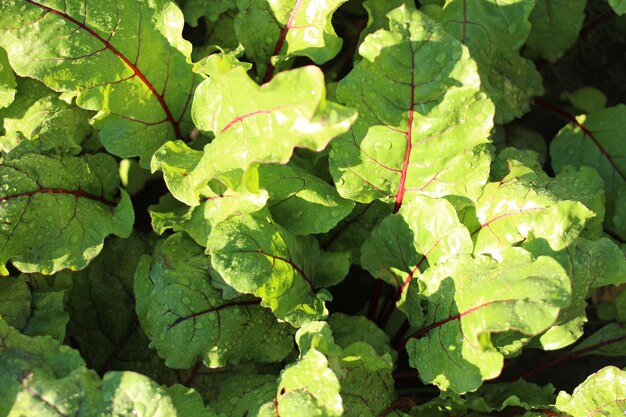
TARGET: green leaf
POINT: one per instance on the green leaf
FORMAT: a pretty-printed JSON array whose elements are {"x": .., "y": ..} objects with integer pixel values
[
  {"x": 523, "y": 394},
  {"x": 255, "y": 124},
  {"x": 255, "y": 255},
  {"x": 7, "y": 81},
  {"x": 494, "y": 32},
  {"x": 355, "y": 229},
  {"x": 424, "y": 232},
  {"x": 422, "y": 116},
  {"x": 241, "y": 394},
  {"x": 126, "y": 59},
  {"x": 618, "y": 5},
  {"x": 195, "y": 9},
  {"x": 38, "y": 372},
  {"x": 597, "y": 140},
  {"x": 56, "y": 212},
  {"x": 353, "y": 329},
  {"x": 590, "y": 265},
  {"x": 521, "y": 206},
  {"x": 555, "y": 26},
  {"x": 468, "y": 300},
  {"x": 610, "y": 340},
  {"x": 600, "y": 395},
  {"x": 274, "y": 31},
  {"x": 39, "y": 121},
  {"x": 302, "y": 203},
  {"x": 587, "y": 99},
  {"x": 184, "y": 314},
  {"x": 377, "y": 11},
  {"x": 103, "y": 324}
]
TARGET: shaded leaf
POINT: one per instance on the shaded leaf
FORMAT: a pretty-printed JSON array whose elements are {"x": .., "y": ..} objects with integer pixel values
[
  {"x": 494, "y": 31},
  {"x": 7, "y": 81},
  {"x": 184, "y": 314},
  {"x": 56, "y": 212},
  {"x": 255, "y": 255},
  {"x": 597, "y": 140},
  {"x": 273, "y": 31},
  {"x": 555, "y": 26},
  {"x": 302, "y": 203}
]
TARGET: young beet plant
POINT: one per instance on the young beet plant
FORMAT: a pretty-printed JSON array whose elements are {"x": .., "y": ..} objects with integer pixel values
[{"x": 295, "y": 161}]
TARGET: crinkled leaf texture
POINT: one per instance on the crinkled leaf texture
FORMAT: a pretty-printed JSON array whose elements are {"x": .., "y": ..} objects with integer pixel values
[
  {"x": 56, "y": 211},
  {"x": 423, "y": 119},
  {"x": 127, "y": 60},
  {"x": 273, "y": 31},
  {"x": 471, "y": 298},
  {"x": 7, "y": 81},
  {"x": 619, "y": 6},
  {"x": 601, "y": 394},
  {"x": 494, "y": 31},
  {"x": 183, "y": 311},
  {"x": 43, "y": 378},
  {"x": 255, "y": 255},
  {"x": 264, "y": 124},
  {"x": 597, "y": 140}
]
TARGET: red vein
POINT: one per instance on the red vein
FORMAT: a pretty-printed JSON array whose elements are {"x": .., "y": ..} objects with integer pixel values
[
  {"x": 61, "y": 191},
  {"x": 281, "y": 40},
  {"x": 211, "y": 310},
  {"x": 571, "y": 355},
  {"x": 245, "y": 116},
  {"x": 408, "y": 135},
  {"x": 440, "y": 323},
  {"x": 133, "y": 67},
  {"x": 587, "y": 132},
  {"x": 464, "y": 26},
  {"x": 501, "y": 216}
]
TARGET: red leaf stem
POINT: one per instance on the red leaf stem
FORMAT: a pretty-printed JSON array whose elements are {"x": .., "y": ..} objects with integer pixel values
[
  {"x": 559, "y": 110},
  {"x": 281, "y": 41},
  {"x": 76, "y": 193},
  {"x": 569, "y": 356}
]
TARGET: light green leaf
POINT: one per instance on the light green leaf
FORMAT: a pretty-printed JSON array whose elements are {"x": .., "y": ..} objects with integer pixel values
[
  {"x": 422, "y": 116},
  {"x": 468, "y": 300},
  {"x": 7, "y": 81},
  {"x": 587, "y": 99},
  {"x": 38, "y": 372},
  {"x": 426, "y": 231},
  {"x": 302, "y": 203},
  {"x": 39, "y": 121},
  {"x": 274, "y": 31},
  {"x": 494, "y": 31},
  {"x": 600, "y": 395},
  {"x": 597, "y": 140},
  {"x": 555, "y": 26},
  {"x": 255, "y": 255},
  {"x": 521, "y": 206},
  {"x": 255, "y": 124},
  {"x": 590, "y": 265},
  {"x": 56, "y": 212},
  {"x": 127, "y": 59},
  {"x": 309, "y": 388},
  {"x": 619, "y": 6},
  {"x": 183, "y": 312}
]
